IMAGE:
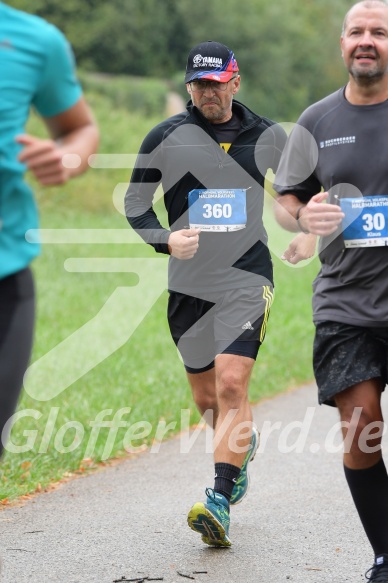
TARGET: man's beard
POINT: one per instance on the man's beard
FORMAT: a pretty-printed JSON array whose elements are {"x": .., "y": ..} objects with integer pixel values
[
  {"x": 212, "y": 115},
  {"x": 215, "y": 116},
  {"x": 366, "y": 77}
]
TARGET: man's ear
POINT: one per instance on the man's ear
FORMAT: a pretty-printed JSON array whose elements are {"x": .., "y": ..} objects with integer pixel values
[
  {"x": 188, "y": 88},
  {"x": 342, "y": 52},
  {"x": 236, "y": 84}
]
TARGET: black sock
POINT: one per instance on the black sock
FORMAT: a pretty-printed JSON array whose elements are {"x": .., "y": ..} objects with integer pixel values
[
  {"x": 225, "y": 479},
  {"x": 369, "y": 489}
]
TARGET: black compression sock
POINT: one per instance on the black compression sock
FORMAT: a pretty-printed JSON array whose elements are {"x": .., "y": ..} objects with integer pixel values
[
  {"x": 369, "y": 489},
  {"x": 225, "y": 479}
]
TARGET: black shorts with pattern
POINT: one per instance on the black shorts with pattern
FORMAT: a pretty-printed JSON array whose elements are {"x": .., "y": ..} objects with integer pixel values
[{"x": 345, "y": 355}]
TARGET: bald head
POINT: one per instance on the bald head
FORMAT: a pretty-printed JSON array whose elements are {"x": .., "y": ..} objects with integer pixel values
[
  {"x": 364, "y": 46},
  {"x": 368, "y": 5}
]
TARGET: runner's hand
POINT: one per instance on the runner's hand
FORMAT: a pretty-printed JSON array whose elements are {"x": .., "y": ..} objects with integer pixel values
[
  {"x": 44, "y": 158},
  {"x": 184, "y": 244},
  {"x": 320, "y": 218},
  {"x": 301, "y": 247}
]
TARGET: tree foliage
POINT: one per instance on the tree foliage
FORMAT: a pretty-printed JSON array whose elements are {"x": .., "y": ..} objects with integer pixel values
[{"x": 287, "y": 50}]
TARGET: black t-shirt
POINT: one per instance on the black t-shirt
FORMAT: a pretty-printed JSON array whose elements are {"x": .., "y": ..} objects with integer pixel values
[
  {"x": 344, "y": 151},
  {"x": 227, "y": 132}
]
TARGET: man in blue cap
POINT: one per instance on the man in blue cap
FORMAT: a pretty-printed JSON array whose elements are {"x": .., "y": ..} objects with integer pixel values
[{"x": 220, "y": 271}]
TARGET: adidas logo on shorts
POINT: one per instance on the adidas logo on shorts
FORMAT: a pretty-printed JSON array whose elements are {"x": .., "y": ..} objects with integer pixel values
[{"x": 248, "y": 326}]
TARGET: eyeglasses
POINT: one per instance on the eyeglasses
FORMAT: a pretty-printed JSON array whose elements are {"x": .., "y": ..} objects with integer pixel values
[{"x": 201, "y": 85}]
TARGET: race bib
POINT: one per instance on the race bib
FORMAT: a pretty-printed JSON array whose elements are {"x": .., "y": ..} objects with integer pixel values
[
  {"x": 367, "y": 220},
  {"x": 217, "y": 210}
]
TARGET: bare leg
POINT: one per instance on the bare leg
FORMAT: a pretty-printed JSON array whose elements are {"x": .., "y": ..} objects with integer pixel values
[
  {"x": 203, "y": 387},
  {"x": 232, "y": 378},
  {"x": 366, "y": 395}
]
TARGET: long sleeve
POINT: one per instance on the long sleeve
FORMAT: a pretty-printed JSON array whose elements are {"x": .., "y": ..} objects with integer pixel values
[{"x": 139, "y": 198}]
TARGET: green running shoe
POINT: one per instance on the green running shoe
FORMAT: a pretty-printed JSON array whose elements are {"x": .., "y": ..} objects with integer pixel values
[
  {"x": 242, "y": 484},
  {"x": 211, "y": 519}
]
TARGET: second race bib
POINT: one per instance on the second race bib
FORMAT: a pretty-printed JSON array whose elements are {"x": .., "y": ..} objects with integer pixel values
[{"x": 368, "y": 218}]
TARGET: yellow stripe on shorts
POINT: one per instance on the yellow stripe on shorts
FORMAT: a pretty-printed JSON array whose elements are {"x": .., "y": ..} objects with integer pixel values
[{"x": 268, "y": 297}]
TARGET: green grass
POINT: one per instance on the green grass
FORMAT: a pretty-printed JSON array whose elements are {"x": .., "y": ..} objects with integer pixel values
[{"x": 144, "y": 374}]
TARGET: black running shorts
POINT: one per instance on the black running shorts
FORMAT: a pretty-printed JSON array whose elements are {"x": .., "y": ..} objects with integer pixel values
[
  {"x": 345, "y": 355},
  {"x": 229, "y": 322}
]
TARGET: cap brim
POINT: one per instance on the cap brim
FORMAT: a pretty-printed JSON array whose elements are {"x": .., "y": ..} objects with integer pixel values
[{"x": 221, "y": 76}]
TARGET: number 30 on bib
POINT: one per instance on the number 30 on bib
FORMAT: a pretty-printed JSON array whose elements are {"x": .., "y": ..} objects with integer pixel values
[{"x": 368, "y": 218}]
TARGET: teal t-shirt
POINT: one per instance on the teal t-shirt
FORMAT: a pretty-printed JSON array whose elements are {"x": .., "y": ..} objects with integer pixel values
[{"x": 36, "y": 69}]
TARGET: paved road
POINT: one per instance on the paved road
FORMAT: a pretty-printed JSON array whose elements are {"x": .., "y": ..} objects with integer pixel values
[{"x": 298, "y": 524}]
